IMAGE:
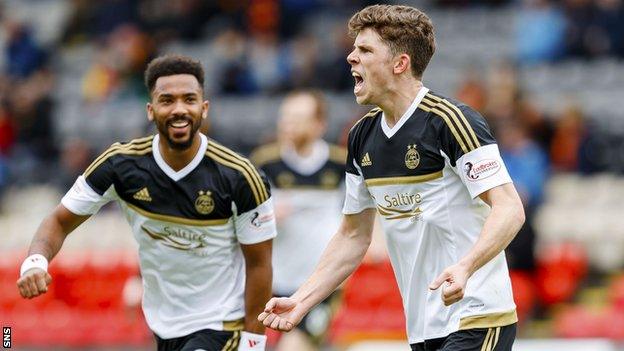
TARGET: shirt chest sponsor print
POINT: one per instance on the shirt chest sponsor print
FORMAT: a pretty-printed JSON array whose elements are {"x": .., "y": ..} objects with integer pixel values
[
  {"x": 400, "y": 206},
  {"x": 178, "y": 238}
]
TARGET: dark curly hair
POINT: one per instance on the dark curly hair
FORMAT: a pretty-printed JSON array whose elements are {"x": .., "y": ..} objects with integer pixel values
[{"x": 170, "y": 65}]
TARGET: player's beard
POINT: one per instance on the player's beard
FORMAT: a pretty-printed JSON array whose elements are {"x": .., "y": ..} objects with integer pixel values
[{"x": 163, "y": 129}]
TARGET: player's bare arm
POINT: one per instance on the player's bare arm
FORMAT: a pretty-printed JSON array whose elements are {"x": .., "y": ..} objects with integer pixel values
[
  {"x": 341, "y": 257},
  {"x": 47, "y": 242},
  {"x": 504, "y": 221},
  {"x": 258, "y": 272}
]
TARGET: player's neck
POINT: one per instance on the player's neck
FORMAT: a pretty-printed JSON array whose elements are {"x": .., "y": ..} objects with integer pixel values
[
  {"x": 178, "y": 159},
  {"x": 302, "y": 150},
  {"x": 398, "y": 100}
]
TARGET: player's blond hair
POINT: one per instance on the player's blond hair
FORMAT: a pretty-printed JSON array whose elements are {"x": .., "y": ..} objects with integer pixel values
[{"x": 405, "y": 29}]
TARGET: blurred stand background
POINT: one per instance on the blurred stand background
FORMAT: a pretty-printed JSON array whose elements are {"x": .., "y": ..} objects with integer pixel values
[{"x": 547, "y": 75}]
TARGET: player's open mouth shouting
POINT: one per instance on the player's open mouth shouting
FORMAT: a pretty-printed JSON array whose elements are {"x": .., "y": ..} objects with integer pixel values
[{"x": 359, "y": 82}]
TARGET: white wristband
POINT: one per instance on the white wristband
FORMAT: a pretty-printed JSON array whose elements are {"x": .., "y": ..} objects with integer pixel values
[
  {"x": 252, "y": 342},
  {"x": 34, "y": 261}
]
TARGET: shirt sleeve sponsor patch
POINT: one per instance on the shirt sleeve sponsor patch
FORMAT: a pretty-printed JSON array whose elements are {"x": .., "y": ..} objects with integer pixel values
[
  {"x": 256, "y": 225},
  {"x": 258, "y": 219},
  {"x": 481, "y": 169}
]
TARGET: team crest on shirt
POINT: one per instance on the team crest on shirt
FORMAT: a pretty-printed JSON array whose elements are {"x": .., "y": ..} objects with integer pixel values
[
  {"x": 412, "y": 157},
  {"x": 204, "y": 204}
]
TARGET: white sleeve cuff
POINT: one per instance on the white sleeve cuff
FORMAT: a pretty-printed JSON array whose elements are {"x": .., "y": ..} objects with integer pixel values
[
  {"x": 256, "y": 225},
  {"x": 482, "y": 169},
  {"x": 357, "y": 197},
  {"x": 82, "y": 200}
]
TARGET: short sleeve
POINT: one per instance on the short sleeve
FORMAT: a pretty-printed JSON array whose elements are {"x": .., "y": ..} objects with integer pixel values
[
  {"x": 256, "y": 225},
  {"x": 472, "y": 150},
  {"x": 254, "y": 218},
  {"x": 250, "y": 189},
  {"x": 463, "y": 130},
  {"x": 482, "y": 169},
  {"x": 101, "y": 173},
  {"x": 83, "y": 200},
  {"x": 357, "y": 197}
]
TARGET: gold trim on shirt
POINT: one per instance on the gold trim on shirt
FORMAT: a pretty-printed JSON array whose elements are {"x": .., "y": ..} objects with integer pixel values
[
  {"x": 403, "y": 180},
  {"x": 178, "y": 220},
  {"x": 238, "y": 324},
  {"x": 489, "y": 320}
]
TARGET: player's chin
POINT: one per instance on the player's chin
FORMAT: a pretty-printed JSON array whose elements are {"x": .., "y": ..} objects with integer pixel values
[
  {"x": 180, "y": 142},
  {"x": 362, "y": 100}
]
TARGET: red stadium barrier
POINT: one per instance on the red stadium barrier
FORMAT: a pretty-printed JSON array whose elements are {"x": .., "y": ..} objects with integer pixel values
[
  {"x": 84, "y": 306},
  {"x": 371, "y": 308}
]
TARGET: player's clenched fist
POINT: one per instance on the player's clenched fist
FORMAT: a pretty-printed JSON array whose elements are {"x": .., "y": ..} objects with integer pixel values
[
  {"x": 282, "y": 314},
  {"x": 456, "y": 278},
  {"x": 34, "y": 278},
  {"x": 34, "y": 283}
]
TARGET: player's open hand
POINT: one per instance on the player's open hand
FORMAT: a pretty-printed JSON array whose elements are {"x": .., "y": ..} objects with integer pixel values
[
  {"x": 281, "y": 314},
  {"x": 453, "y": 281},
  {"x": 33, "y": 283}
]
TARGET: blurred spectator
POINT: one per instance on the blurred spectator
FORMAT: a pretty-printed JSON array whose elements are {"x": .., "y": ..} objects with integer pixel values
[
  {"x": 539, "y": 127},
  {"x": 466, "y": 3},
  {"x": 336, "y": 72},
  {"x": 95, "y": 19},
  {"x": 595, "y": 28},
  {"x": 607, "y": 31},
  {"x": 579, "y": 20},
  {"x": 263, "y": 16},
  {"x": 269, "y": 69},
  {"x": 303, "y": 61},
  {"x": 540, "y": 30},
  {"x": 76, "y": 156},
  {"x": 32, "y": 106},
  {"x": 570, "y": 133},
  {"x": 502, "y": 93},
  {"x": 7, "y": 139},
  {"x": 118, "y": 65},
  {"x": 24, "y": 56},
  {"x": 7, "y": 130},
  {"x": 101, "y": 79},
  {"x": 471, "y": 91},
  {"x": 230, "y": 47},
  {"x": 183, "y": 19},
  {"x": 528, "y": 167}
]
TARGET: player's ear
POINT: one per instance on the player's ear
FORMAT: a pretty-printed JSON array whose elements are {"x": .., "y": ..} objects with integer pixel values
[
  {"x": 205, "y": 107},
  {"x": 150, "y": 112},
  {"x": 401, "y": 63}
]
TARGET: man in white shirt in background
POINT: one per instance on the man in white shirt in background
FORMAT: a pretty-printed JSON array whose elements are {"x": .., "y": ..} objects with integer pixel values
[{"x": 307, "y": 175}]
